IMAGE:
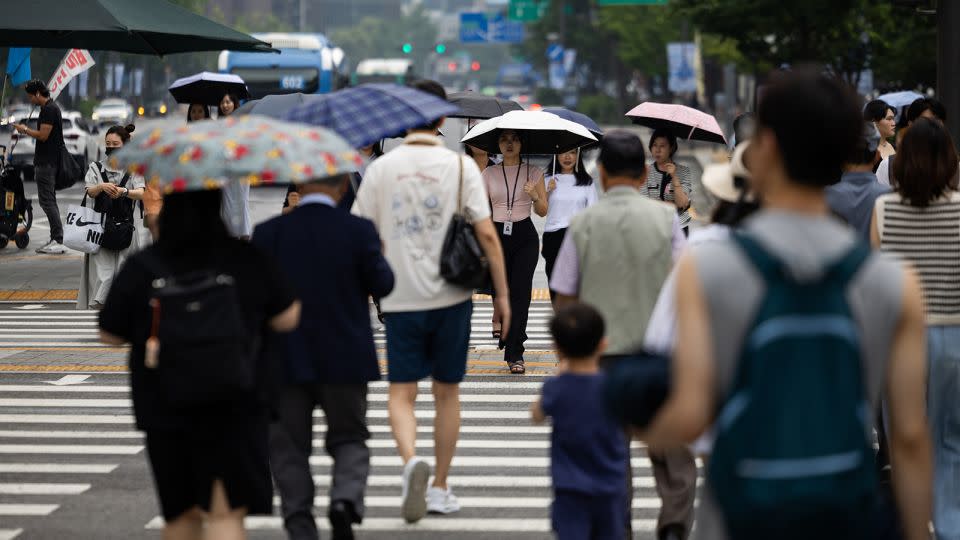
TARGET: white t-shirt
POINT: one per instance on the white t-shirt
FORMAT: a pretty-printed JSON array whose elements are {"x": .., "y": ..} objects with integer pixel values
[
  {"x": 410, "y": 194},
  {"x": 566, "y": 201},
  {"x": 883, "y": 172}
]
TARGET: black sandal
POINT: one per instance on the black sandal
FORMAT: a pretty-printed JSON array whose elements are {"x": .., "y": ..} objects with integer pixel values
[{"x": 517, "y": 368}]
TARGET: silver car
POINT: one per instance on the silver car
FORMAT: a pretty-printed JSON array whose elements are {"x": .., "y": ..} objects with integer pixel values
[{"x": 113, "y": 110}]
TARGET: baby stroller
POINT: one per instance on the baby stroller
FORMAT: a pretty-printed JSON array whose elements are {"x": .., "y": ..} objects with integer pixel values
[{"x": 16, "y": 211}]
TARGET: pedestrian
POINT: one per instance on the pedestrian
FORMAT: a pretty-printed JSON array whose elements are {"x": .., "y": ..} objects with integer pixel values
[
  {"x": 330, "y": 358},
  {"x": 367, "y": 154},
  {"x": 791, "y": 260},
  {"x": 516, "y": 190},
  {"x": 640, "y": 238},
  {"x": 921, "y": 108},
  {"x": 568, "y": 193},
  {"x": 669, "y": 181},
  {"x": 46, "y": 160},
  {"x": 194, "y": 308},
  {"x": 588, "y": 451},
  {"x": 113, "y": 191},
  {"x": 919, "y": 223},
  {"x": 197, "y": 112},
  {"x": 884, "y": 117},
  {"x": 744, "y": 125},
  {"x": 854, "y": 196},
  {"x": 228, "y": 104},
  {"x": 411, "y": 195}
]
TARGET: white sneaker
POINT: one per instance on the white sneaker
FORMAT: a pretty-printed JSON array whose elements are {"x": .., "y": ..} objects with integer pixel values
[
  {"x": 442, "y": 501},
  {"x": 52, "y": 248},
  {"x": 413, "y": 505}
]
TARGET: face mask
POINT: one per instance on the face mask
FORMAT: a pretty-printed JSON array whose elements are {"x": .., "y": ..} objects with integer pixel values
[{"x": 111, "y": 149}]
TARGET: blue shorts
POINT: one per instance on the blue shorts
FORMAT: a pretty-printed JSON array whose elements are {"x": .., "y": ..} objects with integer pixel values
[
  {"x": 577, "y": 516},
  {"x": 433, "y": 343}
]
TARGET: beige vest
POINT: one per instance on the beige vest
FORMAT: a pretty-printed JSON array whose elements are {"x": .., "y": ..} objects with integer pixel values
[{"x": 625, "y": 248}]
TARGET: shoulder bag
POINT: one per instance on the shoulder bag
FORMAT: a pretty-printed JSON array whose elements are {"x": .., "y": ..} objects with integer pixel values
[{"x": 462, "y": 260}]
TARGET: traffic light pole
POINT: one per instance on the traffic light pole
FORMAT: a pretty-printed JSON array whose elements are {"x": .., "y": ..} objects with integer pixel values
[{"x": 948, "y": 63}]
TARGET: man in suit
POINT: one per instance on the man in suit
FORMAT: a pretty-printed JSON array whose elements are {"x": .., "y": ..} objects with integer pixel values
[{"x": 335, "y": 262}]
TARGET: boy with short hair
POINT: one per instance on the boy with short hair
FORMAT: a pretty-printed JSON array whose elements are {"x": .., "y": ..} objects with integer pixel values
[{"x": 588, "y": 450}]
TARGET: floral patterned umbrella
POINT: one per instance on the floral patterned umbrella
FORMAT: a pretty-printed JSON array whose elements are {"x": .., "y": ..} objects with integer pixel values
[{"x": 255, "y": 149}]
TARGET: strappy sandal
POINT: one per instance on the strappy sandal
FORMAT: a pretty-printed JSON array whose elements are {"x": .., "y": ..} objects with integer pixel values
[{"x": 517, "y": 368}]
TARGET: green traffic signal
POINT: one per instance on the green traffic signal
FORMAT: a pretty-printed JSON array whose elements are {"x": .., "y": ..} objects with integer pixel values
[
  {"x": 407, "y": 48},
  {"x": 441, "y": 48}
]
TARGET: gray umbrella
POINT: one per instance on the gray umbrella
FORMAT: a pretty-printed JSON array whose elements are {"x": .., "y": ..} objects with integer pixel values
[{"x": 276, "y": 105}]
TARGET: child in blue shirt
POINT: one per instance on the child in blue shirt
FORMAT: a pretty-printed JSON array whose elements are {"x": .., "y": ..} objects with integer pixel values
[{"x": 588, "y": 451}]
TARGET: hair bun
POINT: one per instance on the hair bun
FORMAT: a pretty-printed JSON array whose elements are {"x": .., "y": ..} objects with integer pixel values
[{"x": 130, "y": 128}]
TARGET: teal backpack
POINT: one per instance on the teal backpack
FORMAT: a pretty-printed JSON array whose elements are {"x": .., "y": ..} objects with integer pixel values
[{"x": 792, "y": 459}]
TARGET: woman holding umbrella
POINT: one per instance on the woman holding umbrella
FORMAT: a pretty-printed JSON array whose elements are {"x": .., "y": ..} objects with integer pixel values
[
  {"x": 669, "y": 181},
  {"x": 516, "y": 190},
  {"x": 569, "y": 192}
]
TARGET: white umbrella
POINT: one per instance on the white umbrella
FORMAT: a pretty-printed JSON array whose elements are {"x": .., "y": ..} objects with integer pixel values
[{"x": 540, "y": 133}]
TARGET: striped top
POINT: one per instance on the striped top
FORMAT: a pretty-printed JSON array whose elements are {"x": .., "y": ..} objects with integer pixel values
[
  {"x": 929, "y": 239},
  {"x": 654, "y": 189}
]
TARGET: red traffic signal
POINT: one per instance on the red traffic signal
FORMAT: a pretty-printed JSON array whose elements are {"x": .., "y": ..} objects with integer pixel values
[
  {"x": 451, "y": 66},
  {"x": 475, "y": 66}
]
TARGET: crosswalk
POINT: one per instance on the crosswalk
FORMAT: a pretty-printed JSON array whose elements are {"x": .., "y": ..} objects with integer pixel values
[
  {"x": 60, "y": 442},
  {"x": 58, "y": 326}
]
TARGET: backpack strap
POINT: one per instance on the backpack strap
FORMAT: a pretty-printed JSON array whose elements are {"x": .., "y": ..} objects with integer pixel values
[
  {"x": 103, "y": 172},
  {"x": 847, "y": 266},
  {"x": 766, "y": 264}
]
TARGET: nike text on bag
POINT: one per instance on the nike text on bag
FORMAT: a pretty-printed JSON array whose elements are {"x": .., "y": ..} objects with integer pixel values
[
  {"x": 792, "y": 459},
  {"x": 462, "y": 260},
  {"x": 118, "y": 225},
  {"x": 83, "y": 228},
  {"x": 205, "y": 353},
  {"x": 68, "y": 170}
]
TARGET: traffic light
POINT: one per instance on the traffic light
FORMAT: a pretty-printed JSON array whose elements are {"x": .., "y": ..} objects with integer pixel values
[
  {"x": 407, "y": 48},
  {"x": 475, "y": 66},
  {"x": 451, "y": 66},
  {"x": 441, "y": 48}
]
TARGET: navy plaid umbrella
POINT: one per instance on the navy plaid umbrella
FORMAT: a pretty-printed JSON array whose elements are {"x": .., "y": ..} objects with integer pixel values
[{"x": 368, "y": 113}]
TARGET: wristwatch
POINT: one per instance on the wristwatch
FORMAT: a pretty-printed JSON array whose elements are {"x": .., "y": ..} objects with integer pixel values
[{"x": 125, "y": 192}]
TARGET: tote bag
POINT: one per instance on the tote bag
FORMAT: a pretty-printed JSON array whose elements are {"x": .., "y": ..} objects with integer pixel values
[{"x": 83, "y": 229}]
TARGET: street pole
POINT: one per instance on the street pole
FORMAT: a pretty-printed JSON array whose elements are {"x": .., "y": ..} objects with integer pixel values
[
  {"x": 303, "y": 15},
  {"x": 948, "y": 63}
]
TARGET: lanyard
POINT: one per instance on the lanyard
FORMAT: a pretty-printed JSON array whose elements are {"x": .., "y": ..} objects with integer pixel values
[{"x": 510, "y": 199}]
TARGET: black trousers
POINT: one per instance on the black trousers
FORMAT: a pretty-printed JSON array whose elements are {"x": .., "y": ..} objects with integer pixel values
[
  {"x": 46, "y": 178},
  {"x": 520, "y": 252},
  {"x": 551, "y": 248},
  {"x": 291, "y": 437}
]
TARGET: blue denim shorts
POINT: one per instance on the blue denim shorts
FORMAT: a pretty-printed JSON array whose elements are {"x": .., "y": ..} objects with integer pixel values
[{"x": 430, "y": 343}]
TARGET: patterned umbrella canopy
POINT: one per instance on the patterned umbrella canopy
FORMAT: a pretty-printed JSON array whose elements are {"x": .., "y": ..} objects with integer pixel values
[{"x": 253, "y": 149}]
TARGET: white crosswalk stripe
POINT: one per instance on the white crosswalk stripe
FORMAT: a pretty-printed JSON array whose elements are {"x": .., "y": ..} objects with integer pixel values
[
  {"x": 500, "y": 472},
  {"x": 78, "y": 328}
]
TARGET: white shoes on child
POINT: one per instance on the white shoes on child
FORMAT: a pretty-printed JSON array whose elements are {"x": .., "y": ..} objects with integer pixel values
[{"x": 417, "y": 499}]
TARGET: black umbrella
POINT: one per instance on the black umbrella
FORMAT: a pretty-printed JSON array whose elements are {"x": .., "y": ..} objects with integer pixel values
[
  {"x": 479, "y": 106},
  {"x": 208, "y": 88},
  {"x": 277, "y": 105},
  {"x": 135, "y": 26}
]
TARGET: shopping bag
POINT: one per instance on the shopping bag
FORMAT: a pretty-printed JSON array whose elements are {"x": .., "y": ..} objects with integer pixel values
[{"x": 83, "y": 229}]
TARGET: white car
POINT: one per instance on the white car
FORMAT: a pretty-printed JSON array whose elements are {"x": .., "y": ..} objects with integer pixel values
[
  {"x": 114, "y": 110},
  {"x": 83, "y": 141}
]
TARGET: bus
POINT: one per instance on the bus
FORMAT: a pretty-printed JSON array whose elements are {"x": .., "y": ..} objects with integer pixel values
[
  {"x": 383, "y": 70},
  {"x": 307, "y": 63}
]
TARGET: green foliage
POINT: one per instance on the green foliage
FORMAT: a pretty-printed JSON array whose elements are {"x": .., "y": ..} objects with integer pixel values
[{"x": 602, "y": 108}]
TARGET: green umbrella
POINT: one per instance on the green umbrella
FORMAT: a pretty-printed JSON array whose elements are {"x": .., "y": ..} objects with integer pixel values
[
  {"x": 135, "y": 26},
  {"x": 257, "y": 150}
]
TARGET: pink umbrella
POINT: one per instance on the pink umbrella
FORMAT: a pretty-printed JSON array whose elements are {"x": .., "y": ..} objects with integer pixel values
[{"x": 684, "y": 122}]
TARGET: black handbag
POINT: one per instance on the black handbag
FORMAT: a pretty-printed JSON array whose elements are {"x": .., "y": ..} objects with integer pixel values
[
  {"x": 118, "y": 226},
  {"x": 462, "y": 260},
  {"x": 68, "y": 170}
]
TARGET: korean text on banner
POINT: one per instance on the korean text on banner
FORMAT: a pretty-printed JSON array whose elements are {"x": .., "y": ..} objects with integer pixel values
[{"x": 75, "y": 62}]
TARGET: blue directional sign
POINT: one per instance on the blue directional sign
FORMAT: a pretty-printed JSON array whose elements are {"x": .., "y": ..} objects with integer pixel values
[
  {"x": 478, "y": 27},
  {"x": 555, "y": 52},
  {"x": 474, "y": 28}
]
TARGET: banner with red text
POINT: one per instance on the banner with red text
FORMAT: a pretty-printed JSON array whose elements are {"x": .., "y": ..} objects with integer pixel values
[{"x": 74, "y": 63}]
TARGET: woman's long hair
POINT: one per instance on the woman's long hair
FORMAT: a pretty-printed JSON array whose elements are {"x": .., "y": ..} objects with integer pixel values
[
  {"x": 926, "y": 165},
  {"x": 191, "y": 226}
]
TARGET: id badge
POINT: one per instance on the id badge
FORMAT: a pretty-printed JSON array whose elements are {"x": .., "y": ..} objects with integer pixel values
[{"x": 508, "y": 228}]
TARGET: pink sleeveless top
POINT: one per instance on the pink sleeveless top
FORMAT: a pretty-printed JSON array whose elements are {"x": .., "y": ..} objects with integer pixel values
[{"x": 502, "y": 193}]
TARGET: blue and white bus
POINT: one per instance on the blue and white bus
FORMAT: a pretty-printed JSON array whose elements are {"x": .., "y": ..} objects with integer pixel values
[{"x": 307, "y": 63}]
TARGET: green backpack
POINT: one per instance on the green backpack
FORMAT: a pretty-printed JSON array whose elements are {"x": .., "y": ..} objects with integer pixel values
[{"x": 792, "y": 459}]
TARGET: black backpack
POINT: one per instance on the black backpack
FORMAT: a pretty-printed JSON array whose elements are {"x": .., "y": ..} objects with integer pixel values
[
  {"x": 118, "y": 228},
  {"x": 199, "y": 344}
]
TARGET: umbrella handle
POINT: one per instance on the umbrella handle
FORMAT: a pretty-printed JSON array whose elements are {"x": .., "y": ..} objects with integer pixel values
[{"x": 694, "y": 128}]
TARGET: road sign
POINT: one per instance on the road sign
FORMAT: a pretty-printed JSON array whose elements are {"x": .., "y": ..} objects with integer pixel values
[
  {"x": 681, "y": 58},
  {"x": 632, "y": 2},
  {"x": 503, "y": 30},
  {"x": 527, "y": 10},
  {"x": 554, "y": 52},
  {"x": 473, "y": 27}
]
